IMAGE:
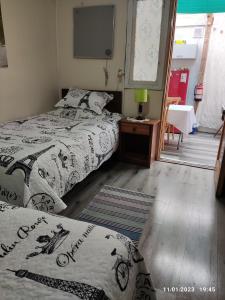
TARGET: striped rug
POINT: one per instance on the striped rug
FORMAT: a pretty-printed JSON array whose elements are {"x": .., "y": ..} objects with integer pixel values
[{"x": 121, "y": 210}]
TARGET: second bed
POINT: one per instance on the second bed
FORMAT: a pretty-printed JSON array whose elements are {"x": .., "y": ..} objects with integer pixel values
[{"x": 50, "y": 153}]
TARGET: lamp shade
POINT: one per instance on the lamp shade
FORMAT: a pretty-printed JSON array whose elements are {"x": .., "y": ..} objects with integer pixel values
[{"x": 141, "y": 95}]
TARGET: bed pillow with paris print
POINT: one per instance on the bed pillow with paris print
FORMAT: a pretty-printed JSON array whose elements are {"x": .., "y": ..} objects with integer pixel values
[
  {"x": 91, "y": 100},
  {"x": 71, "y": 113}
]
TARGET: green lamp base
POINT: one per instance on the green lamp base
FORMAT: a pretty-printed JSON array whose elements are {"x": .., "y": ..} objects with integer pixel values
[{"x": 140, "y": 111}]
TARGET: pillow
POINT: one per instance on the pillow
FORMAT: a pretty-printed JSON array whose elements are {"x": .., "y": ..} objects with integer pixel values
[
  {"x": 72, "y": 113},
  {"x": 94, "y": 101}
]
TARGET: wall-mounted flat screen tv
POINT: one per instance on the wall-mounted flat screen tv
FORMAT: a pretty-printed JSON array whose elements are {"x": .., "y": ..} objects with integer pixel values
[{"x": 94, "y": 31}]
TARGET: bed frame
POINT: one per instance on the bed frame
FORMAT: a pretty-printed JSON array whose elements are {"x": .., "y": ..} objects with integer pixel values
[{"x": 113, "y": 106}]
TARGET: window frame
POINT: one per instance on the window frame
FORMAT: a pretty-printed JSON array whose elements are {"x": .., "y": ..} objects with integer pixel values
[{"x": 165, "y": 28}]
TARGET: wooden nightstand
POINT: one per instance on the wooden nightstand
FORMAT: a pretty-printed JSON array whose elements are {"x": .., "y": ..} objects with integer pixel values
[{"x": 138, "y": 141}]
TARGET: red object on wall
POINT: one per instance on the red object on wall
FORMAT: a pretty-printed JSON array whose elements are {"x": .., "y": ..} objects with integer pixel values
[
  {"x": 198, "y": 92},
  {"x": 178, "y": 84}
]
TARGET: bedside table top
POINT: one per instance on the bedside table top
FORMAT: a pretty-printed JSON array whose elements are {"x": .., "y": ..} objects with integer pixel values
[{"x": 150, "y": 122}]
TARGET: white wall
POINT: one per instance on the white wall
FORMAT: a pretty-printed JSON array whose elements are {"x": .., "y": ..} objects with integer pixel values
[
  {"x": 185, "y": 29},
  {"x": 88, "y": 73},
  {"x": 209, "y": 110},
  {"x": 29, "y": 85}
]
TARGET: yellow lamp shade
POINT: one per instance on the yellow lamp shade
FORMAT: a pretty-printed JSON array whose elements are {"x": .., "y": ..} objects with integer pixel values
[{"x": 141, "y": 95}]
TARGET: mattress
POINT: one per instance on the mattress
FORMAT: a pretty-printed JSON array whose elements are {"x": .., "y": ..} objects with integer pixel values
[
  {"x": 51, "y": 257},
  {"x": 43, "y": 157}
]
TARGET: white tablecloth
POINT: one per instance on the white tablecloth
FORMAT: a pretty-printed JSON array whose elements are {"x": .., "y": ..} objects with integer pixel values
[{"x": 182, "y": 117}]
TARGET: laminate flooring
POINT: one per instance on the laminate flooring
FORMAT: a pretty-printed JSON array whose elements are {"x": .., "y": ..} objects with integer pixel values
[
  {"x": 198, "y": 149},
  {"x": 184, "y": 239}
]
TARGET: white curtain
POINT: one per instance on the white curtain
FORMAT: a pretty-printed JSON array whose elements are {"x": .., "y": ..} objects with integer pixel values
[{"x": 209, "y": 110}]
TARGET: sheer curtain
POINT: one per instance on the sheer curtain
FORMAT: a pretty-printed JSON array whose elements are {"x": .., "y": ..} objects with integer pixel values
[{"x": 209, "y": 110}]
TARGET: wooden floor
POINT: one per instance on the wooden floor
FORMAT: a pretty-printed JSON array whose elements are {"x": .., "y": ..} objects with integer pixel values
[
  {"x": 184, "y": 239},
  {"x": 198, "y": 149}
]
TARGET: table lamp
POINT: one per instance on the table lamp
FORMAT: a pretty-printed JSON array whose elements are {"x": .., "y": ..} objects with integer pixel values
[{"x": 141, "y": 96}]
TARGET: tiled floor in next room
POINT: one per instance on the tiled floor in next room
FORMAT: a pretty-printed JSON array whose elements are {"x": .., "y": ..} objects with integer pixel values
[{"x": 198, "y": 149}]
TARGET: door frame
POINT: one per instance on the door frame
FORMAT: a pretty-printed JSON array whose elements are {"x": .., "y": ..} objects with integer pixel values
[
  {"x": 219, "y": 174},
  {"x": 170, "y": 42}
]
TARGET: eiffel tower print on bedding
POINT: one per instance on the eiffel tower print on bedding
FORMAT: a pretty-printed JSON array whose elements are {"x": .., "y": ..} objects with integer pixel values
[
  {"x": 50, "y": 257},
  {"x": 43, "y": 157}
]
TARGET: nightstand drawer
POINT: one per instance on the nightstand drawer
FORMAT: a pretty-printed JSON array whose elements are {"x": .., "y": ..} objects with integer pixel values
[{"x": 135, "y": 129}]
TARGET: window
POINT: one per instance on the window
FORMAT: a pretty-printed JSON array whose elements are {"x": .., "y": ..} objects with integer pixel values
[{"x": 146, "y": 43}]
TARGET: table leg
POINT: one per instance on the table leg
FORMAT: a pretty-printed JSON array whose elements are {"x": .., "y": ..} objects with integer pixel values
[{"x": 179, "y": 140}]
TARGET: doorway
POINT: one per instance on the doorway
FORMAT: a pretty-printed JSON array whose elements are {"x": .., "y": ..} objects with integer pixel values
[{"x": 191, "y": 132}]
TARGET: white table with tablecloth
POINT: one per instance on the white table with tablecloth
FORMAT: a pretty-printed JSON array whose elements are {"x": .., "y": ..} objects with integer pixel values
[{"x": 182, "y": 117}]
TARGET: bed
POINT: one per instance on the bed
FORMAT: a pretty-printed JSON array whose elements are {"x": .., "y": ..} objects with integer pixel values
[
  {"x": 43, "y": 157},
  {"x": 43, "y": 256}
]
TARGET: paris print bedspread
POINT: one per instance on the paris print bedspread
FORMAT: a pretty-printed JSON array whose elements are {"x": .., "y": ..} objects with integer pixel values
[
  {"x": 50, "y": 153},
  {"x": 51, "y": 257}
]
